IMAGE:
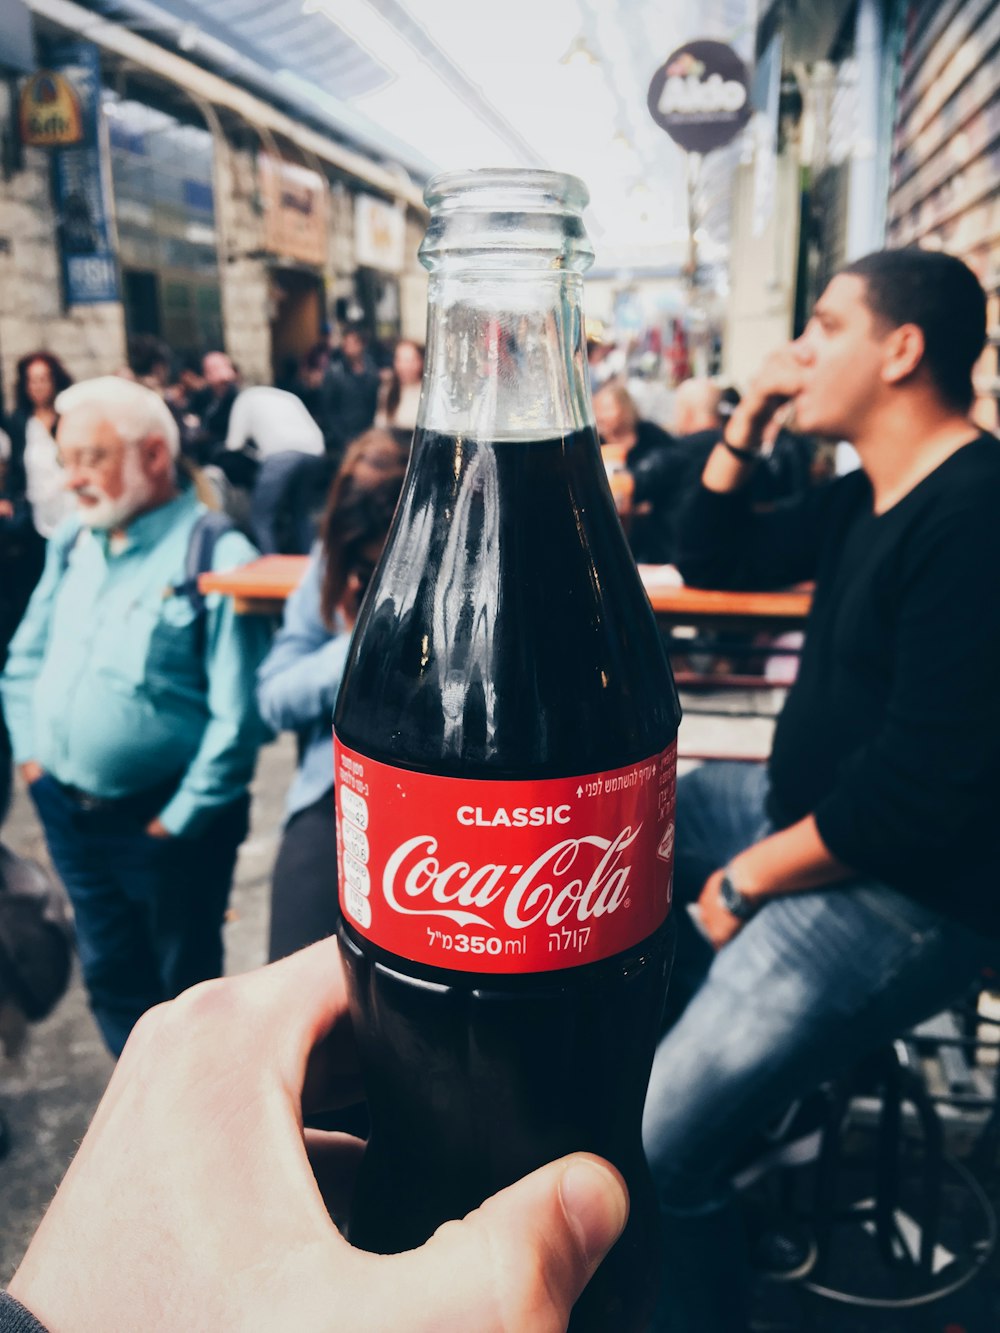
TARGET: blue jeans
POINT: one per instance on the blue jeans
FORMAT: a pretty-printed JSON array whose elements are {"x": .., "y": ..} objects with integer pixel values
[
  {"x": 148, "y": 911},
  {"x": 288, "y": 487},
  {"x": 812, "y": 983}
]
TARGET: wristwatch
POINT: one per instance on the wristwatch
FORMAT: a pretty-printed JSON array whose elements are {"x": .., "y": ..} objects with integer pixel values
[{"x": 737, "y": 904}]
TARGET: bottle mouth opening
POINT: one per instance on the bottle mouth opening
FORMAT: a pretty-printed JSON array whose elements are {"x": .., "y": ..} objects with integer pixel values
[{"x": 507, "y": 189}]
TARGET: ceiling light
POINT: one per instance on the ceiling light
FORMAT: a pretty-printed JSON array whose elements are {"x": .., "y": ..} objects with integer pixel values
[{"x": 579, "y": 53}]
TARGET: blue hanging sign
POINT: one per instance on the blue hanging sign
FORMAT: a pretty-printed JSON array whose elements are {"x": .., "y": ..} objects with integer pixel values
[{"x": 81, "y": 187}]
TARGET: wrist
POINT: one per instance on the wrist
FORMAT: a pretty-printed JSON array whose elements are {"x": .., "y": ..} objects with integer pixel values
[
  {"x": 737, "y": 903},
  {"x": 738, "y": 452},
  {"x": 743, "y": 430}
]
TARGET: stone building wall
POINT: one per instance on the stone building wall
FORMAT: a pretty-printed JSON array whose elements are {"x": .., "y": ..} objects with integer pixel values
[
  {"x": 90, "y": 339},
  {"x": 340, "y": 266},
  {"x": 246, "y": 288}
]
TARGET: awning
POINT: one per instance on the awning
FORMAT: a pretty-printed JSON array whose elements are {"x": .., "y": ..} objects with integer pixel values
[{"x": 17, "y": 47}]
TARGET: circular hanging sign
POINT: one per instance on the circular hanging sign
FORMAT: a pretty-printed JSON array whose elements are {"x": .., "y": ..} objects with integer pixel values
[{"x": 701, "y": 96}]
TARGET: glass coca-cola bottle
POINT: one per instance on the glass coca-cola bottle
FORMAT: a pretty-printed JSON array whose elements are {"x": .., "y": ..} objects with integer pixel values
[{"x": 505, "y": 762}]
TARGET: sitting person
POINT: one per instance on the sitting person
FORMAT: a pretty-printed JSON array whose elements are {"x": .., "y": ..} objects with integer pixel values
[
  {"x": 349, "y": 397},
  {"x": 701, "y": 408},
  {"x": 645, "y": 471},
  {"x": 848, "y": 889},
  {"x": 297, "y": 687}
]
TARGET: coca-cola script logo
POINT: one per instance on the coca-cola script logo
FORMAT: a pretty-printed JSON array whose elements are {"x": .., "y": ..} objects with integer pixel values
[{"x": 554, "y": 888}]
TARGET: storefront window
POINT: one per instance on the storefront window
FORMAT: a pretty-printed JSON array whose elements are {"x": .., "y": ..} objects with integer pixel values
[{"x": 165, "y": 206}]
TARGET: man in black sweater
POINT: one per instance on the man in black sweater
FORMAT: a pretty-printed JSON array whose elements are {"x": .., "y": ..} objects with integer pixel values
[{"x": 852, "y": 887}]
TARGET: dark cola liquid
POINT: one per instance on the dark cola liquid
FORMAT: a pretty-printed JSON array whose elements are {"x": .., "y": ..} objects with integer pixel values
[{"x": 506, "y": 635}]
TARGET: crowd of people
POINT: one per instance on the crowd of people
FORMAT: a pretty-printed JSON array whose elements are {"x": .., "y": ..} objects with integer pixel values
[{"x": 840, "y": 893}]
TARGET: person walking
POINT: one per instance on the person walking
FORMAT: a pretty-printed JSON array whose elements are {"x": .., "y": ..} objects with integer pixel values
[
  {"x": 846, "y": 890},
  {"x": 130, "y": 705}
]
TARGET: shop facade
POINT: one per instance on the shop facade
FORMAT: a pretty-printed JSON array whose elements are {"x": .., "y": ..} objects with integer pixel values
[
  {"x": 945, "y": 185},
  {"x": 215, "y": 219}
]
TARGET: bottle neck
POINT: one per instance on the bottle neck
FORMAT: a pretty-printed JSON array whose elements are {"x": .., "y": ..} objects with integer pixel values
[{"x": 505, "y": 355}]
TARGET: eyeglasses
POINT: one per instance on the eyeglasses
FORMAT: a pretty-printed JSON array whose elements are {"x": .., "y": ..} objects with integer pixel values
[{"x": 89, "y": 459}]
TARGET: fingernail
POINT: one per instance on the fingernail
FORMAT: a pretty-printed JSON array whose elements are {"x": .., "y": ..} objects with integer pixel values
[{"x": 596, "y": 1206}]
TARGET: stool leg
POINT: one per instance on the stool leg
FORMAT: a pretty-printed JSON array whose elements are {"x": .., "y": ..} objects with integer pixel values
[
  {"x": 887, "y": 1165},
  {"x": 827, "y": 1172},
  {"x": 933, "y": 1141}
]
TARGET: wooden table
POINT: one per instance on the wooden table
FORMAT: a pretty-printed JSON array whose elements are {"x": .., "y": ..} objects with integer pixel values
[{"x": 261, "y": 588}]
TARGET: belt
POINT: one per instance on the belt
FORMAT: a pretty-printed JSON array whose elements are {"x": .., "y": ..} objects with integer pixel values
[{"x": 148, "y": 801}]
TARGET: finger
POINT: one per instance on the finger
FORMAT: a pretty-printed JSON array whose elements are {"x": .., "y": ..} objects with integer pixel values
[
  {"x": 257, "y": 1030},
  {"x": 335, "y": 1159},
  {"x": 518, "y": 1263},
  {"x": 291, "y": 1006},
  {"x": 239, "y": 1050},
  {"x": 333, "y": 1074}
]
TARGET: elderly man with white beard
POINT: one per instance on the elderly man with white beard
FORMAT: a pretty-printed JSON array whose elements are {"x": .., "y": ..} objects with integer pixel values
[{"x": 130, "y": 703}]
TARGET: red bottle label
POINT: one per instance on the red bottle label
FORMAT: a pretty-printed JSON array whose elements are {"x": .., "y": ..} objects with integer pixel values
[{"x": 505, "y": 876}]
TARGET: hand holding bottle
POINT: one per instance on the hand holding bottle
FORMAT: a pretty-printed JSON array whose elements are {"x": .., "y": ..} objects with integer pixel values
[{"x": 198, "y": 1201}]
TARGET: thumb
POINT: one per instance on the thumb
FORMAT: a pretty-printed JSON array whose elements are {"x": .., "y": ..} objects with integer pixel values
[{"x": 518, "y": 1263}]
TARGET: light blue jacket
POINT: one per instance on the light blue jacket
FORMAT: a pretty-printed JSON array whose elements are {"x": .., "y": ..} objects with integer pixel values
[
  {"x": 298, "y": 683},
  {"x": 111, "y": 686}
]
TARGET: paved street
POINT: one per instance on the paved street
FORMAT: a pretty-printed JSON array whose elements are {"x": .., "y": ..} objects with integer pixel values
[{"x": 49, "y": 1095}]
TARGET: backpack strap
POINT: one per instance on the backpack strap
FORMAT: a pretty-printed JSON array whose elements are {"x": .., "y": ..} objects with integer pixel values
[{"x": 208, "y": 528}]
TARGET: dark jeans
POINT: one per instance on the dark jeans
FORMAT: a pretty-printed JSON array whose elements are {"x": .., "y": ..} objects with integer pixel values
[
  {"x": 811, "y": 984},
  {"x": 148, "y": 911},
  {"x": 288, "y": 491},
  {"x": 304, "y": 905}
]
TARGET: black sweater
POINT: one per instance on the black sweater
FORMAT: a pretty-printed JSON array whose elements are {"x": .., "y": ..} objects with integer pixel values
[{"x": 891, "y": 734}]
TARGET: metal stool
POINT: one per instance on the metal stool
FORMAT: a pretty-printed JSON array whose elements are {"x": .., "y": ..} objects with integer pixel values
[{"x": 905, "y": 1211}]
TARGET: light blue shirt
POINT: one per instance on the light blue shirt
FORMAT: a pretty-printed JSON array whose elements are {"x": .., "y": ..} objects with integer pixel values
[
  {"x": 298, "y": 683},
  {"x": 110, "y": 686}
]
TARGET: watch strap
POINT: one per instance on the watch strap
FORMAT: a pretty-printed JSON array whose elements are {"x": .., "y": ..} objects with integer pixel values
[
  {"x": 744, "y": 455},
  {"x": 735, "y": 902}
]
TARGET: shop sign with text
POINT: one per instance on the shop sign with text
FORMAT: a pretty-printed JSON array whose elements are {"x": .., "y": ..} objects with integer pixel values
[
  {"x": 294, "y": 202},
  {"x": 701, "y": 96},
  {"x": 379, "y": 234}
]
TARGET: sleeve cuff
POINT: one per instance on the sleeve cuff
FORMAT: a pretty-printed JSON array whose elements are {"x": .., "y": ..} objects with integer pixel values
[
  {"x": 184, "y": 814},
  {"x": 14, "y": 1318},
  {"x": 835, "y": 824}
]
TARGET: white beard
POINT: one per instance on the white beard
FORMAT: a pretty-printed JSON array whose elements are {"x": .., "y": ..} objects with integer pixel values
[{"x": 115, "y": 513}]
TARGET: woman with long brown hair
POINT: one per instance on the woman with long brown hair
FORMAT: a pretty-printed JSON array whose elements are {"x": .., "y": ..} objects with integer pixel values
[
  {"x": 297, "y": 684},
  {"x": 398, "y": 403},
  {"x": 34, "y": 475}
]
